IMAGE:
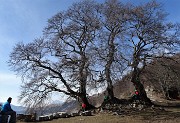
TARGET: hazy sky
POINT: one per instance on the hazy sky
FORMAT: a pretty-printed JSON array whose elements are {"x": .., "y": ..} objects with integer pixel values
[{"x": 24, "y": 20}]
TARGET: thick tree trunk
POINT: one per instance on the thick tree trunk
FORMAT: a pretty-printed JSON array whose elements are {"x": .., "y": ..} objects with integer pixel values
[
  {"x": 140, "y": 87},
  {"x": 83, "y": 73},
  {"x": 110, "y": 92},
  {"x": 84, "y": 100},
  {"x": 110, "y": 59}
]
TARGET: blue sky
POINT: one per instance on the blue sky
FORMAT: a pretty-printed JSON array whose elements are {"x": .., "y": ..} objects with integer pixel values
[{"x": 24, "y": 20}]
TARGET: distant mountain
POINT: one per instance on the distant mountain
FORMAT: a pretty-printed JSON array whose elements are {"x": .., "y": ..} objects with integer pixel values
[
  {"x": 18, "y": 109},
  {"x": 70, "y": 106},
  {"x": 55, "y": 106},
  {"x": 57, "y": 102}
]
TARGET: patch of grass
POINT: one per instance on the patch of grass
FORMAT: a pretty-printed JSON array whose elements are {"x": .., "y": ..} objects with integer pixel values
[
  {"x": 170, "y": 115},
  {"x": 100, "y": 118},
  {"x": 109, "y": 118}
]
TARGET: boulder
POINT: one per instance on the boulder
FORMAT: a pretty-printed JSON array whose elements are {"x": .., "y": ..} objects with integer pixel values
[
  {"x": 74, "y": 114},
  {"x": 56, "y": 115},
  {"x": 43, "y": 118},
  {"x": 86, "y": 113},
  {"x": 63, "y": 114}
]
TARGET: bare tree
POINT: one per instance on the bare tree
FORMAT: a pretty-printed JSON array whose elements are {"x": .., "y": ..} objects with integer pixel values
[
  {"x": 61, "y": 60},
  {"x": 113, "y": 17},
  {"x": 64, "y": 60},
  {"x": 148, "y": 36}
]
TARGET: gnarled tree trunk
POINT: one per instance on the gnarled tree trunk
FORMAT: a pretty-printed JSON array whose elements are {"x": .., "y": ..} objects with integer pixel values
[{"x": 139, "y": 86}]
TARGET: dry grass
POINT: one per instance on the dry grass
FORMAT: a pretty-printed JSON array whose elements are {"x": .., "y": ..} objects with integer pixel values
[
  {"x": 100, "y": 118},
  {"x": 170, "y": 116}
]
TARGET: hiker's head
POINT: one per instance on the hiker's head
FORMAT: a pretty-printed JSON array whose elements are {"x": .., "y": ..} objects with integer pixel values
[{"x": 9, "y": 99}]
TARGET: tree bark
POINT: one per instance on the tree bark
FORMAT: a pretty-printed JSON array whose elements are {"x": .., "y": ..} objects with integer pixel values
[
  {"x": 110, "y": 59},
  {"x": 139, "y": 86},
  {"x": 84, "y": 100},
  {"x": 110, "y": 92}
]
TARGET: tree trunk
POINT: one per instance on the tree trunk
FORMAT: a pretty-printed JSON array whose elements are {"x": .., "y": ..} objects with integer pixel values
[
  {"x": 84, "y": 100},
  {"x": 110, "y": 59},
  {"x": 139, "y": 86},
  {"x": 110, "y": 92}
]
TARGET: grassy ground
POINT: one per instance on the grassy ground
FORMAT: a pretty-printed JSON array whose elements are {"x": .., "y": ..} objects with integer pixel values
[{"x": 171, "y": 115}]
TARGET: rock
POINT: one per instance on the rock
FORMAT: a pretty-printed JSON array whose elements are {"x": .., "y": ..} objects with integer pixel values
[
  {"x": 28, "y": 117},
  {"x": 50, "y": 117},
  {"x": 43, "y": 118},
  {"x": 63, "y": 115},
  {"x": 140, "y": 107},
  {"x": 86, "y": 113},
  {"x": 56, "y": 115},
  {"x": 74, "y": 114},
  {"x": 46, "y": 118},
  {"x": 20, "y": 117}
]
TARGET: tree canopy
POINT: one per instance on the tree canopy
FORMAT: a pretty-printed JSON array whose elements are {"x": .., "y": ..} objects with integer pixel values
[{"x": 91, "y": 45}]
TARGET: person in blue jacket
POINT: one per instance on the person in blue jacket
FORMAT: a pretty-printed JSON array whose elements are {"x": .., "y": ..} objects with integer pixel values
[{"x": 7, "y": 110}]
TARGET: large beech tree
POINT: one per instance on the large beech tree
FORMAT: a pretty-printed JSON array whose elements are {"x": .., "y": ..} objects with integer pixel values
[
  {"x": 114, "y": 17},
  {"x": 149, "y": 36},
  {"x": 61, "y": 60}
]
